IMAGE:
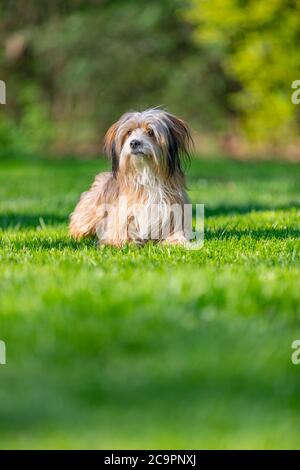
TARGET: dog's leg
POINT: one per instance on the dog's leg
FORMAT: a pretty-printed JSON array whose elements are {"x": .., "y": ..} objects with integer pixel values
[
  {"x": 176, "y": 234},
  {"x": 84, "y": 219}
]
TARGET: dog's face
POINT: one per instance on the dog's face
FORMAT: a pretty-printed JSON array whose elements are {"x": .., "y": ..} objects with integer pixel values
[{"x": 152, "y": 139}]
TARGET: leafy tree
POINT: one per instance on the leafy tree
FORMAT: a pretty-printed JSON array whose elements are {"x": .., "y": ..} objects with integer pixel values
[
  {"x": 83, "y": 63},
  {"x": 257, "y": 42}
]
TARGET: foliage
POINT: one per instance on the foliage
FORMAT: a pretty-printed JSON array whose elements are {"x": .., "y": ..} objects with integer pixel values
[
  {"x": 90, "y": 62},
  {"x": 257, "y": 43},
  {"x": 32, "y": 132},
  {"x": 72, "y": 67}
]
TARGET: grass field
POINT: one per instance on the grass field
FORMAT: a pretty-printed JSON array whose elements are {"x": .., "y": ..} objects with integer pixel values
[{"x": 154, "y": 347}]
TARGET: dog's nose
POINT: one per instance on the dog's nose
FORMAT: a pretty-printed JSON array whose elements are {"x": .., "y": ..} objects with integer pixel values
[{"x": 135, "y": 143}]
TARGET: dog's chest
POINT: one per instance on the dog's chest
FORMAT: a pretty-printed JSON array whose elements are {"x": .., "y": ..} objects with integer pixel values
[{"x": 149, "y": 213}]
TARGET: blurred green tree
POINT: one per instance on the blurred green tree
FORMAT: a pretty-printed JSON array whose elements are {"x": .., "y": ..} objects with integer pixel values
[
  {"x": 73, "y": 67},
  {"x": 257, "y": 43}
]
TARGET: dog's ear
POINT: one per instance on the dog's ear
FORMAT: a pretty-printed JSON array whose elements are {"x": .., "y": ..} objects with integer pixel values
[
  {"x": 180, "y": 143},
  {"x": 110, "y": 147}
]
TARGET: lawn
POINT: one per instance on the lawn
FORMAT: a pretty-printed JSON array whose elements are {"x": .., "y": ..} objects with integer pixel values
[{"x": 150, "y": 347}]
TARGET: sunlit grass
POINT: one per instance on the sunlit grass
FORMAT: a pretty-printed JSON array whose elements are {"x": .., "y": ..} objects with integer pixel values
[{"x": 150, "y": 347}]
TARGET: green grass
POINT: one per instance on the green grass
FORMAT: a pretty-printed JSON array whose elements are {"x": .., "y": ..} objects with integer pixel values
[{"x": 154, "y": 347}]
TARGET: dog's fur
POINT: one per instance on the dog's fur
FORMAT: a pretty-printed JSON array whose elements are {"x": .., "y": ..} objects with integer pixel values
[{"x": 146, "y": 150}]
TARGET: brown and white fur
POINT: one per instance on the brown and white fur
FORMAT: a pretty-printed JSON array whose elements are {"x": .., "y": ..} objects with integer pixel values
[{"x": 146, "y": 149}]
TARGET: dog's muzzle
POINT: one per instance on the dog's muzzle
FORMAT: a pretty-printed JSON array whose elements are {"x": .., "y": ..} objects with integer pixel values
[{"x": 136, "y": 147}]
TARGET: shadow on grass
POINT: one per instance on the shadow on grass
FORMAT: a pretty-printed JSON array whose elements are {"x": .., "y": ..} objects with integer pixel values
[
  {"x": 60, "y": 243},
  {"x": 226, "y": 209},
  {"x": 11, "y": 220},
  {"x": 34, "y": 221},
  {"x": 256, "y": 234},
  {"x": 19, "y": 220}
]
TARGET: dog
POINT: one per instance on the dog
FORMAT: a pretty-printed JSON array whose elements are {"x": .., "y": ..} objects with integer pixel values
[{"x": 147, "y": 150}]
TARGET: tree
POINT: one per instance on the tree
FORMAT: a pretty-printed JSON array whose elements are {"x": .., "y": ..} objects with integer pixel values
[{"x": 257, "y": 43}]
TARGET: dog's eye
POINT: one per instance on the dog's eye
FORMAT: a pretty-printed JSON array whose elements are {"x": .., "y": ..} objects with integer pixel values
[
  {"x": 150, "y": 132},
  {"x": 129, "y": 132}
]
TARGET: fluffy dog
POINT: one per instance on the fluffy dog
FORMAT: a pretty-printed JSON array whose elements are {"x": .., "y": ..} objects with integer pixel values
[{"x": 143, "y": 197}]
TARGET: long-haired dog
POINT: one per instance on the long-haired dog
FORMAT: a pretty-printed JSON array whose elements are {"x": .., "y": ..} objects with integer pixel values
[{"x": 141, "y": 197}]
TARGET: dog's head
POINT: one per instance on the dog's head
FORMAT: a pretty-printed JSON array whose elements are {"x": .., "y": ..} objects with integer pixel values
[{"x": 152, "y": 139}]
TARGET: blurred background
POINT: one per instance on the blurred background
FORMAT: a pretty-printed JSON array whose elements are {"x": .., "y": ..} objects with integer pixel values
[{"x": 226, "y": 66}]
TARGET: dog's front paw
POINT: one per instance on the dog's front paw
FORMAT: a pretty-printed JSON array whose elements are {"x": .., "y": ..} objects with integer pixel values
[{"x": 176, "y": 239}]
